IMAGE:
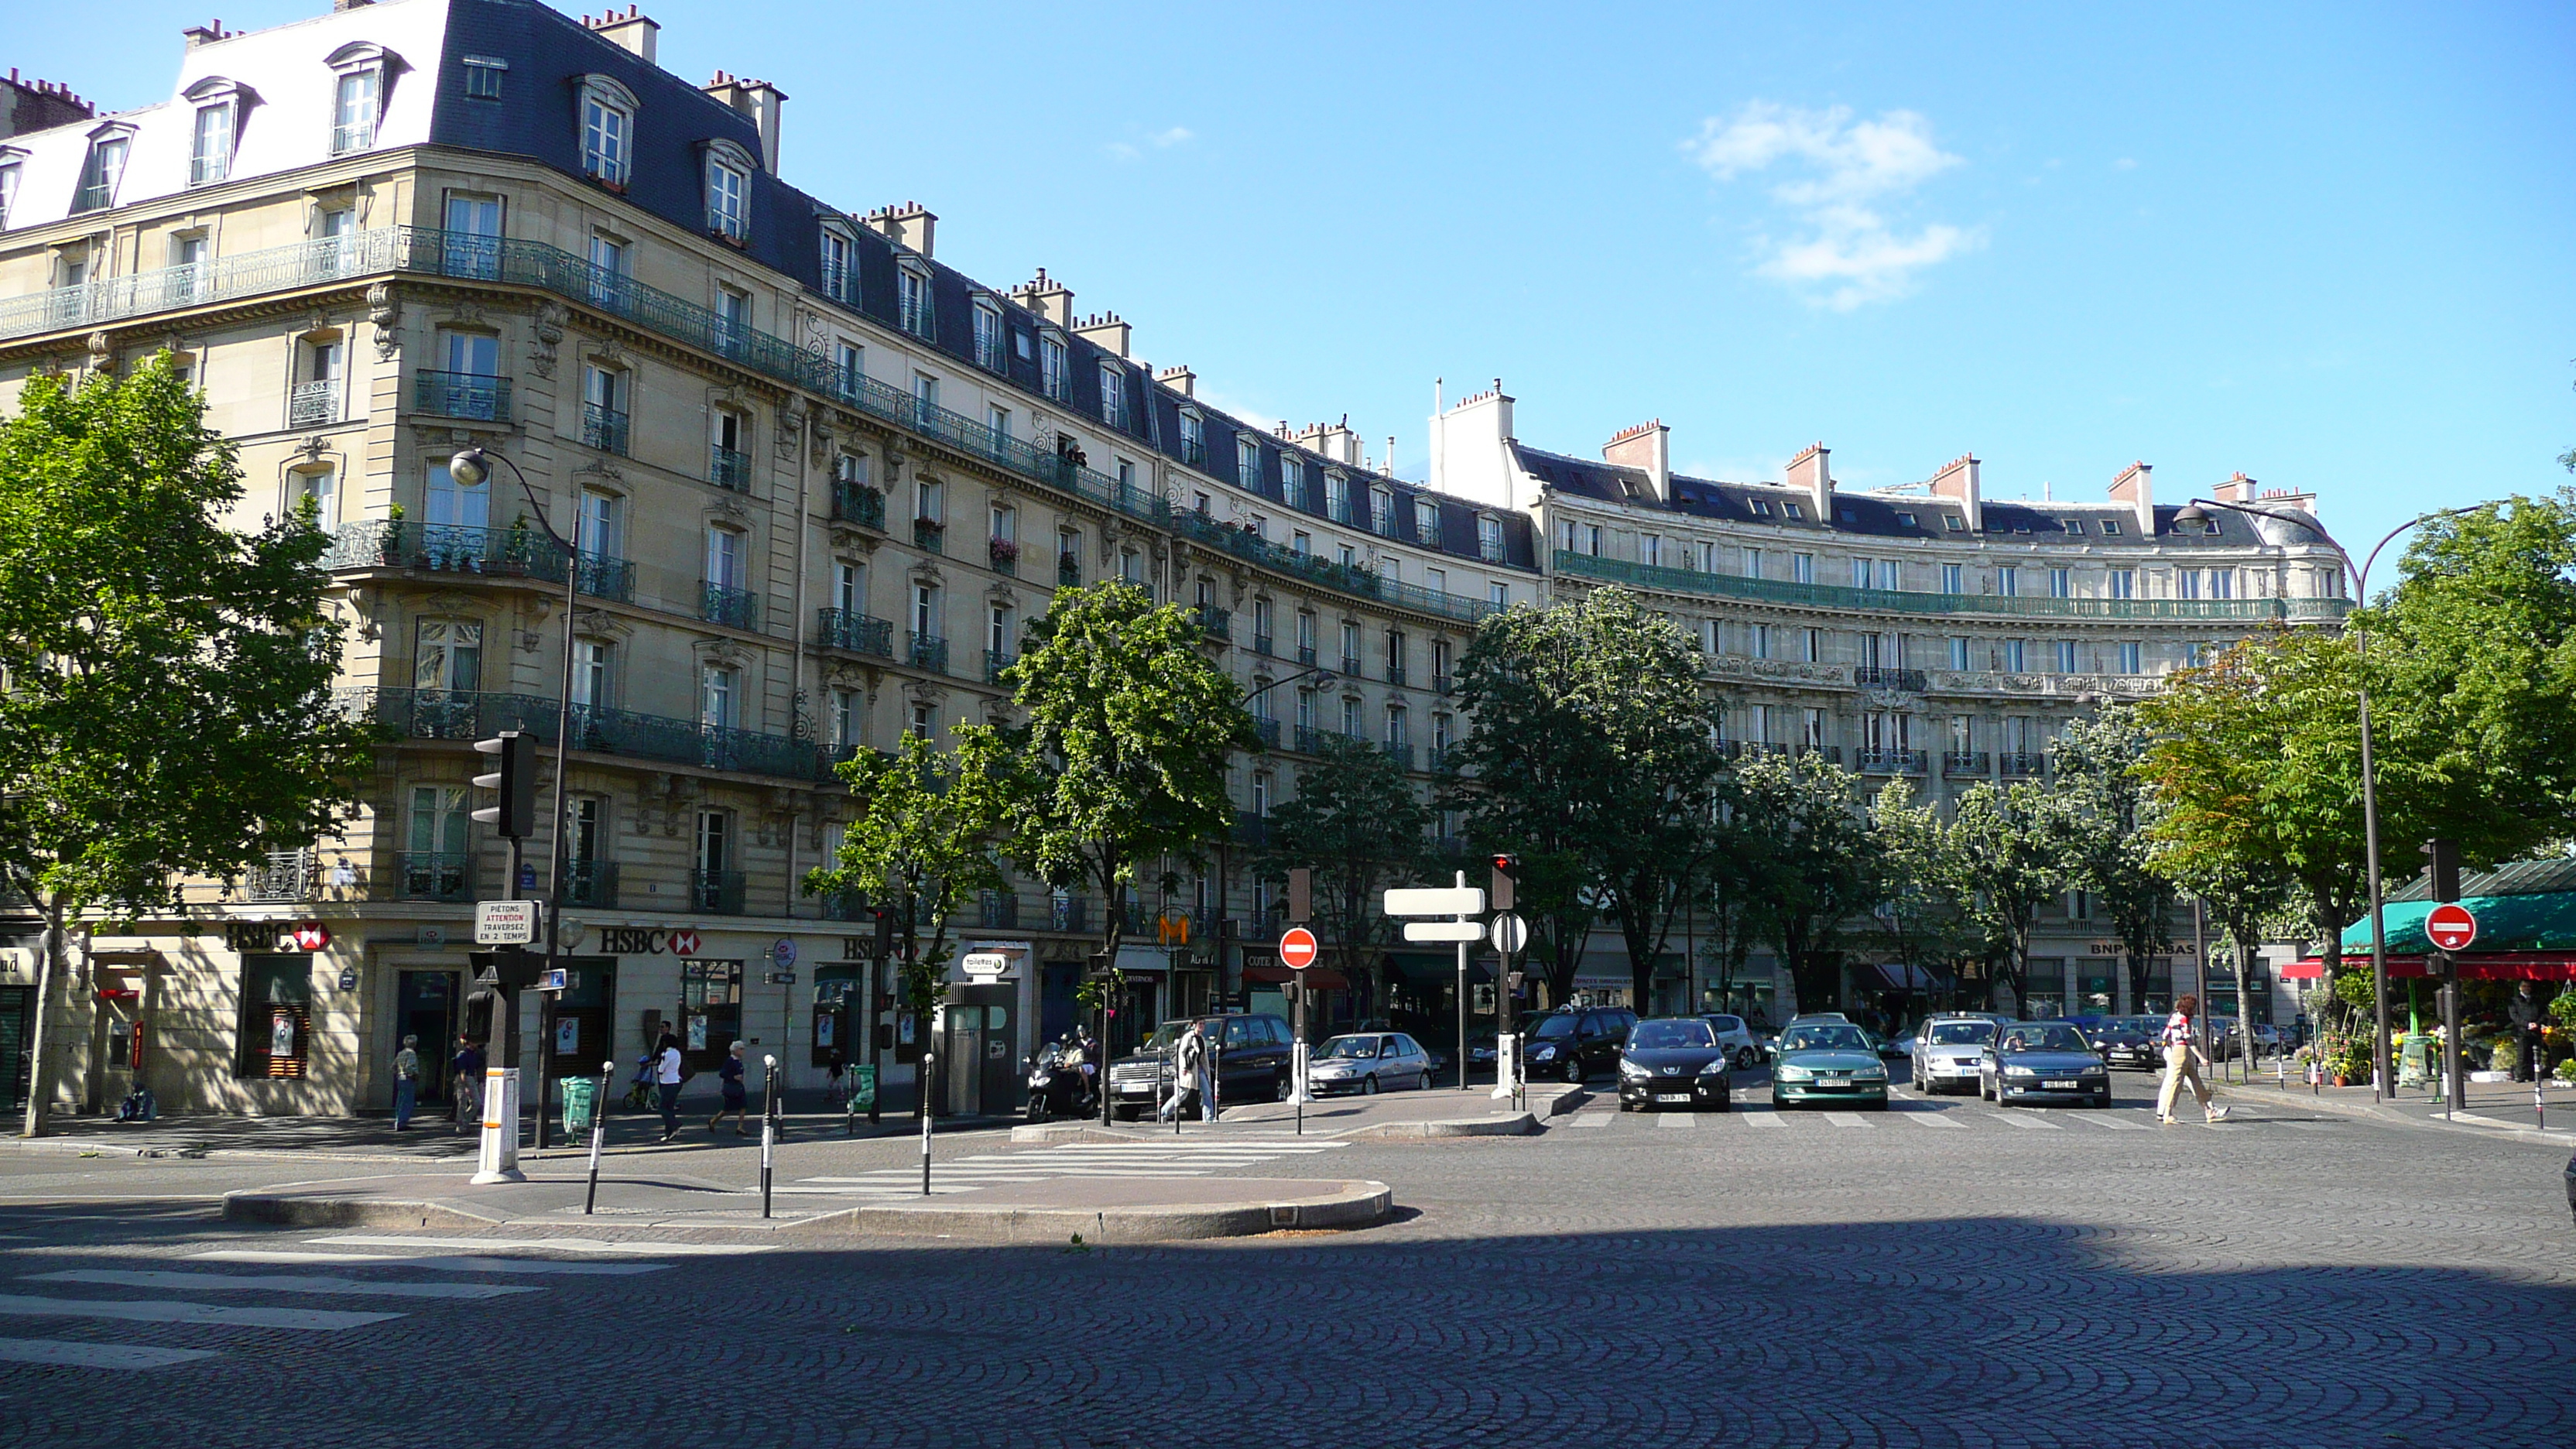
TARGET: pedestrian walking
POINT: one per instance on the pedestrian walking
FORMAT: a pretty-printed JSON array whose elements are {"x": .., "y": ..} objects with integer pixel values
[
  {"x": 666, "y": 1080},
  {"x": 2524, "y": 1011},
  {"x": 2182, "y": 1064},
  {"x": 1189, "y": 1066},
  {"x": 406, "y": 1082},
  {"x": 465, "y": 1072},
  {"x": 729, "y": 1077}
]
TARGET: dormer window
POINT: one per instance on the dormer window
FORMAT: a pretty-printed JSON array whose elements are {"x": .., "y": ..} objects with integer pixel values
[
  {"x": 1761, "y": 508},
  {"x": 1055, "y": 376},
  {"x": 104, "y": 168},
  {"x": 2111, "y": 526},
  {"x": 607, "y": 131},
  {"x": 214, "y": 129},
  {"x": 1193, "y": 434},
  {"x": 1794, "y": 511},
  {"x": 988, "y": 335},
  {"x": 358, "y": 98},
  {"x": 2074, "y": 525},
  {"x": 9, "y": 174},
  {"x": 1904, "y": 519},
  {"x": 483, "y": 77},
  {"x": 728, "y": 191},
  {"x": 839, "y": 265},
  {"x": 1954, "y": 523},
  {"x": 1113, "y": 395},
  {"x": 913, "y": 310}
]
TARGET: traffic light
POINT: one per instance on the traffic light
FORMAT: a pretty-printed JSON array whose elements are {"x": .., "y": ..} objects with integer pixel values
[
  {"x": 516, "y": 780},
  {"x": 2445, "y": 857},
  {"x": 1301, "y": 896},
  {"x": 1507, "y": 869},
  {"x": 885, "y": 930}
]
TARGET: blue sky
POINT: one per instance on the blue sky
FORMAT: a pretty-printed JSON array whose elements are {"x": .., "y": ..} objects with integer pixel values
[{"x": 2327, "y": 245}]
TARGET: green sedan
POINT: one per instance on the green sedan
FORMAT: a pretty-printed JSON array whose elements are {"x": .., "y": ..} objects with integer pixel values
[{"x": 1828, "y": 1064}]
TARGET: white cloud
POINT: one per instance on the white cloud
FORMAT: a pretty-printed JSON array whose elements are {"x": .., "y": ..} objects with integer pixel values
[
  {"x": 1846, "y": 252},
  {"x": 1165, "y": 140},
  {"x": 1162, "y": 140}
]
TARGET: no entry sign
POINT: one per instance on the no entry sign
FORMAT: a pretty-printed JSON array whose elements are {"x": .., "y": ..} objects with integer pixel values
[
  {"x": 1297, "y": 948},
  {"x": 2451, "y": 927}
]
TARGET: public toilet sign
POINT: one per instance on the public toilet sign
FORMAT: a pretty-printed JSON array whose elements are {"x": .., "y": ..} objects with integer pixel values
[
  {"x": 507, "y": 923},
  {"x": 1437, "y": 901},
  {"x": 985, "y": 963},
  {"x": 1297, "y": 948},
  {"x": 2451, "y": 927}
]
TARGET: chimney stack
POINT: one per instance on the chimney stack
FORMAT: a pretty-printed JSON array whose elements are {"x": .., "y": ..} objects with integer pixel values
[
  {"x": 1180, "y": 380},
  {"x": 1047, "y": 297},
  {"x": 38, "y": 105},
  {"x": 630, "y": 31},
  {"x": 1958, "y": 479},
  {"x": 1647, "y": 446},
  {"x": 206, "y": 34},
  {"x": 2238, "y": 489},
  {"x": 1103, "y": 329},
  {"x": 1810, "y": 470},
  {"x": 759, "y": 100},
  {"x": 910, "y": 224},
  {"x": 2136, "y": 487}
]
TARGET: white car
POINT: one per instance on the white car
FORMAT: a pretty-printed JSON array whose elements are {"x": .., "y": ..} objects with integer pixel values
[
  {"x": 1368, "y": 1063},
  {"x": 1948, "y": 1051},
  {"x": 1743, "y": 1048}
]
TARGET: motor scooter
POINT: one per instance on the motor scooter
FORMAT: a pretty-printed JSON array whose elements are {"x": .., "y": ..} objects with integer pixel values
[{"x": 1060, "y": 1080}]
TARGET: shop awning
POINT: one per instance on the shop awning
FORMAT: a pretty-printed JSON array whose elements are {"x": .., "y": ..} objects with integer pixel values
[
  {"x": 2522, "y": 924},
  {"x": 2476, "y": 966},
  {"x": 1318, "y": 978},
  {"x": 1897, "y": 976},
  {"x": 1429, "y": 970}
]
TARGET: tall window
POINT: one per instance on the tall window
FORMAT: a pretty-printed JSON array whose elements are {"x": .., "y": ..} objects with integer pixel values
[
  {"x": 322, "y": 487},
  {"x": 354, "y": 111},
  {"x": 850, "y": 587},
  {"x": 845, "y": 718},
  {"x": 839, "y": 281},
  {"x": 1337, "y": 498},
  {"x": 1489, "y": 538},
  {"x": 1953, "y": 580},
  {"x": 850, "y": 361},
  {"x": 100, "y": 174},
  {"x": 720, "y": 697},
  {"x": 1398, "y": 728},
  {"x": 988, "y": 336},
  {"x": 608, "y": 267},
  {"x": 447, "y": 655},
  {"x": 590, "y": 672},
  {"x": 607, "y": 131},
  {"x": 210, "y": 149},
  {"x": 472, "y": 246},
  {"x": 1193, "y": 435},
  {"x": 603, "y": 525},
  {"x": 724, "y": 558},
  {"x": 998, "y": 632},
  {"x": 603, "y": 408},
  {"x": 1247, "y": 464},
  {"x": 2013, "y": 656},
  {"x": 1959, "y": 651},
  {"x": 2222, "y": 583},
  {"x": 1055, "y": 378},
  {"x": 925, "y": 610},
  {"x": 1382, "y": 511},
  {"x": 1814, "y": 652},
  {"x": 1292, "y": 480},
  {"x": 1860, "y": 573},
  {"x": 1761, "y": 641},
  {"x": 1113, "y": 395},
  {"x": 728, "y": 199},
  {"x": 2186, "y": 583},
  {"x": 2061, "y": 583},
  {"x": 912, "y": 300},
  {"x": 2129, "y": 663},
  {"x": 1802, "y": 568},
  {"x": 733, "y": 319},
  {"x": 2123, "y": 583},
  {"x": 2066, "y": 656},
  {"x": 448, "y": 504},
  {"x": 2008, "y": 581},
  {"x": 9, "y": 173}
]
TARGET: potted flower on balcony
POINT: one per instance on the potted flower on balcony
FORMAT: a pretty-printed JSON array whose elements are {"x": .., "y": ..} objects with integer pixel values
[
  {"x": 390, "y": 547},
  {"x": 926, "y": 532},
  {"x": 1005, "y": 553}
]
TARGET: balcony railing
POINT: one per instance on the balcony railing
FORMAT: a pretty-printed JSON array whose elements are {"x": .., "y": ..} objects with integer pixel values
[
  {"x": 1268, "y": 730},
  {"x": 1194, "y": 452},
  {"x": 995, "y": 661},
  {"x": 926, "y": 651},
  {"x": 854, "y": 631},
  {"x": 428, "y": 251},
  {"x": 728, "y": 467},
  {"x": 1899, "y": 601},
  {"x": 355, "y": 136},
  {"x": 1399, "y": 752},
  {"x": 312, "y": 404},
  {"x": 437, "y": 876},
  {"x": 603, "y": 428},
  {"x": 1351, "y": 666},
  {"x": 288, "y": 875},
  {"x": 858, "y": 503},
  {"x": 467, "y": 395},
  {"x": 1251, "y": 828},
  {"x": 445, "y": 714},
  {"x": 590, "y": 883},
  {"x": 716, "y": 892},
  {"x": 1216, "y": 623},
  {"x": 1310, "y": 738},
  {"x": 1881, "y": 677},
  {"x": 1830, "y": 754},
  {"x": 718, "y": 604},
  {"x": 2023, "y": 766},
  {"x": 1395, "y": 674},
  {"x": 1963, "y": 762},
  {"x": 1890, "y": 762},
  {"x": 492, "y": 552},
  {"x": 1069, "y": 913},
  {"x": 929, "y": 535},
  {"x": 1305, "y": 653},
  {"x": 998, "y": 910},
  {"x": 1437, "y": 758},
  {"x": 1442, "y": 684},
  {"x": 1068, "y": 571}
]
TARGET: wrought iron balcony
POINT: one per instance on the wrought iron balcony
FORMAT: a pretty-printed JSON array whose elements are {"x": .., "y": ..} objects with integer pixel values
[
  {"x": 354, "y": 136},
  {"x": 716, "y": 892},
  {"x": 1216, "y": 623},
  {"x": 491, "y": 552},
  {"x": 998, "y": 910},
  {"x": 470, "y": 396},
  {"x": 845, "y": 906},
  {"x": 1268, "y": 730},
  {"x": 590, "y": 883},
  {"x": 926, "y": 651},
  {"x": 1904, "y": 601},
  {"x": 930, "y": 535},
  {"x": 456, "y": 714},
  {"x": 288, "y": 875},
  {"x": 1441, "y": 684},
  {"x": 1395, "y": 674},
  {"x": 2023, "y": 765},
  {"x": 1251, "y": 828},
  {"x": 858, "y": 503},
  {"x": 739, "y": 608},
  {"x": 728, "y": 467},
  {"x": 1068, "y": 571},
  {"x": 1305, "y": 653},
  {"x": 1437, "y": 758},
  {"x": 1886, "y": 678},
  {"x": 859, "y": 633},
  {"x": 1069, "y": 913},
  {"x": 1890, "y": 762},
  {"x": 313, "y": 404},
  {"x": 1963, "y": 762},
  {"x": 995, "y": 661},
  {"x": 1310, "y": 740},
  {"x": 1399, "y": 752},
  {"x": 603, "y": 428},
  {"x": 1830, "y": 754},
  {"x": 437, "y": 876}
]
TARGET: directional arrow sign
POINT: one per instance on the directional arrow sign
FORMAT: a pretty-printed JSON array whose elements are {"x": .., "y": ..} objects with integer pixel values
[
  {"x": 2451, "y": 927},
  {"x": 1437, "y": 901},
  {"x": 1444, "y": 931},
  {"x": 1297, "y": 948}
]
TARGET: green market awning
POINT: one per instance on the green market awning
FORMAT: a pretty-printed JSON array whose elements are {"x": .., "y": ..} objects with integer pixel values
[
  {"x": 2541, "y": 922},
  {"x": 1431, "y": 970}
]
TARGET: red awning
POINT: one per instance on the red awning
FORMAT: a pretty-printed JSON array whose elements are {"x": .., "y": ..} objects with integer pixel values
[
  {"x": 1318, "y": 978},
  {"x": 2495, "y": 966}
]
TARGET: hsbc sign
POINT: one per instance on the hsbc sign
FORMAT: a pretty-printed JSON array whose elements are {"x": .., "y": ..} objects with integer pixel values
[{"x": 644, "y": 941}]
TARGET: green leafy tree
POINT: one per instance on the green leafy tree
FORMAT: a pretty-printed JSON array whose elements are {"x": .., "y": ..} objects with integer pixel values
[
  {"x": 1925, "y": 915},
  {"x": 1122, "y": 759},
  {"x": 922, "y": 845},
  {"x": 1825, "y": 869},
  {"x": 2101, "y": 799},
  {"x": 1590, "y": 756},
  {"x": 167, "y": 708},
  {"x": 2014, "y": 838},
  {"x": 1736, "y": 892},
  {"x": 1358, "y": 825}
]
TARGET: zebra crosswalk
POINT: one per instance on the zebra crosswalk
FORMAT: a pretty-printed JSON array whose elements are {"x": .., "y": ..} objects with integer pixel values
[
  {"x": 1902, "y": 1117},
  {"x": 374, "y": 1275},
  {"x": 1175, "y": 1157}
]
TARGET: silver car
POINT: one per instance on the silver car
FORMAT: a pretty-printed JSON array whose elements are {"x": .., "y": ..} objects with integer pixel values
[
  {"x": 1947, "y": 1053},
  {"x": 1743, "y": 1049},
  {"x": 1367, "y": 1063}
]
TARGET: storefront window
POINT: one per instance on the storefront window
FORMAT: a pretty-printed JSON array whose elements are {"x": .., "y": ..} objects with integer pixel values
[
  {"x": 276, "y": 1017},
  {"x": 710, "y": 1011}
]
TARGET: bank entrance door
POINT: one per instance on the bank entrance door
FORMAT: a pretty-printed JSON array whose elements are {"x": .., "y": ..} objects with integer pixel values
[{"x": 425, "y": 1006}]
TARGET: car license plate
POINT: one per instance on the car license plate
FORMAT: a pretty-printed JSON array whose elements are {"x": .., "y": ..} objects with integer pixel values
[
  {"x": 2060, "y": 1086},
  {"x": 1672, "y": 1096}
]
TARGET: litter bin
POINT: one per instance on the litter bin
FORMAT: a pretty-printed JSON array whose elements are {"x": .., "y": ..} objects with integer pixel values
[
  {"x": 2415, "y": 1062},
  {"x": 863, "y": 1088},
  {"x": 580, "y": 1105}
]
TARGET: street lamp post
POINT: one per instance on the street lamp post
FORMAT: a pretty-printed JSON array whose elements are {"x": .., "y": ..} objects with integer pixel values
[
  {"x": 471, "y": 468},
  {"x": 2383, "y": 1078}
]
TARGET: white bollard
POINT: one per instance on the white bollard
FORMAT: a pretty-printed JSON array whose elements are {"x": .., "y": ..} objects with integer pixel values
[{"x": 499, "y": 1161}]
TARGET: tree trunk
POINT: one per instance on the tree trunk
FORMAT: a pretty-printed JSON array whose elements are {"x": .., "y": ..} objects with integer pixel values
[
  {"x": 51, "y": 972},
  {"x": 2244, "y": 1002}
]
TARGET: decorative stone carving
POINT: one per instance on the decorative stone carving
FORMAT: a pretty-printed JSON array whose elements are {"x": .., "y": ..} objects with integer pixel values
[
  {"x": 102, "y": 354},
  {"x": 724, "y": 651},
  {"x": 791, "y": 424},
  {"x": 384, "y": 316},
  {"x": 546, "y": 334}
]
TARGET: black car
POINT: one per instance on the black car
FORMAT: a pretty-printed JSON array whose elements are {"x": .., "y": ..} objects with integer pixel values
[
  {"x": 1252, "y": 1064},
  {"x": 2127, "y": 1041},
  {"x": 1575, "y": 1044},
  {"x": 1674, "y": 1061},
  {"x": 2043, "y": 1061}
]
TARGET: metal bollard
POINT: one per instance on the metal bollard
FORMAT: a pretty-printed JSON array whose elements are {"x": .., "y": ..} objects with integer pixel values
[
  {"x": 598, "y": 1131},
  {"x": 928, "y": 1060},
  {"x": 768, "y": 1125}
]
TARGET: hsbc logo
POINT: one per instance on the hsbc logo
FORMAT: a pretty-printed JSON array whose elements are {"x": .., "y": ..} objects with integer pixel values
[{"x": 641, "y": 941}]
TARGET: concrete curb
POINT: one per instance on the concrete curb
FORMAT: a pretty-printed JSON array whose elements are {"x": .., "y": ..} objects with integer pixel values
[
  {"x": 1519, "y": 1124},
  {"x": 286, "y": 1210},
  {"x": 1340, "y": 1205},
  {"x": 2373, "y": 1112}
]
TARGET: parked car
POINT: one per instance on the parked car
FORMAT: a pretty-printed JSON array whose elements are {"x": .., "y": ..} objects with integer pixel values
[
  {"x": 2043, "y": 1061},
  {"x": 2225, "y": 1040},
  {"x": 1826, "y": 1063},
  {"x": 1948, "y": 1051},
  {"x": 2128, "y": 1041},
  {"x": 1674, "y": 1061},
  {"x": 1367, "y": 1063},
  {"x": 1252, "y": 1063},
  {"x": 1743, "y": 1048},
  {"x": 1576, "y": 1044}
]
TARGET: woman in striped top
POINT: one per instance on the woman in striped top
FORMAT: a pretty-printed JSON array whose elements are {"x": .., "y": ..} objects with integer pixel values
[{"x": 2182, "y": 1064}]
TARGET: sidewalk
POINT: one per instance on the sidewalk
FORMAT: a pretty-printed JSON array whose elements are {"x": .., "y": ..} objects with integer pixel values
[
  {"x": 2503, "y": 1107},
  {"x": 1440, "y": 1112}
]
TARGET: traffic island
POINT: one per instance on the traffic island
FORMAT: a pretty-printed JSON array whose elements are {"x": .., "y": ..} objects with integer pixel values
[
  {"x": 1418, "y": 1116},
  {"x": 1121, "y": 1210}
]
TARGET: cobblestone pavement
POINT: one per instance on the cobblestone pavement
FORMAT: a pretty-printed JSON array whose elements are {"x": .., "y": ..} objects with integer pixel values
[{"x": 1939, "y": 1274}]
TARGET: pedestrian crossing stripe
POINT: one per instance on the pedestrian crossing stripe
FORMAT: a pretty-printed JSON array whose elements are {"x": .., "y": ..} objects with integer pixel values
[
  {"x": 440, "y": 1262},
  {"x": 608, "y": 1246},
  {"x": 221, "y": 1315},
  {"x": 273, "y": 1283},
  {"x": 59, "y": 1353}
]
